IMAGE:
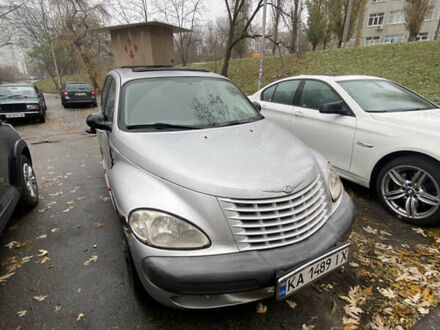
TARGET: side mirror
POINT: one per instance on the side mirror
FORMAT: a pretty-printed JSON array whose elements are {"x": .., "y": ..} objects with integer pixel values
[
  {"x": 257, "y": 106},
  {"x": 338, "y": 108},
  {"x": 96, "y": 121}
]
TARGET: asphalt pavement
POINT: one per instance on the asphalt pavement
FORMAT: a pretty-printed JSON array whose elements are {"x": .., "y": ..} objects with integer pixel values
[{"x": 77, "y": 276}]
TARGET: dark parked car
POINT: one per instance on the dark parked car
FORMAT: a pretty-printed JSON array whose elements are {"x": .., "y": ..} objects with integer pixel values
[
  {"x": 18, "y": 184},
  {"x": 77, "y": 93},
  {"x": 22, "y": 101}
]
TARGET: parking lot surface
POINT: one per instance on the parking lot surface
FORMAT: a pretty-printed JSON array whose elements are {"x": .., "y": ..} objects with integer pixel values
[{"x": 69, "y": 269}]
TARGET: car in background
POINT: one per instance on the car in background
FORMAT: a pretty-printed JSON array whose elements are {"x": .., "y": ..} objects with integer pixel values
[
  {"x": 22, "y": 101},
  {"x": 18, "y": 184},
  {"x": 375, "y": 132},
  {"x": 77, "y": 93},
  {"x": 219, "y": 205}
]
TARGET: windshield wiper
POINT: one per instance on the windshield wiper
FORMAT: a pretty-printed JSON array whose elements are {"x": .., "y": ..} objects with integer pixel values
[
  {"x": 236, "y": 122},
  {"x": 162, "y": 126},
  {"x": 18, "y": 95}
]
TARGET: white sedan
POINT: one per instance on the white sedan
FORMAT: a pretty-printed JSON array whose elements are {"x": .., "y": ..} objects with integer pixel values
[{"x": 376, "y": 132}]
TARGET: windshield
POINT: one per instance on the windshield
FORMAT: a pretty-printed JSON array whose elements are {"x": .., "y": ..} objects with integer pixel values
[
  {"x": 384, "y": 96},
  {"x": 188, "y": 102},
  {"x": 78, "y": 87},
  {"x": 24, "y": 91}
]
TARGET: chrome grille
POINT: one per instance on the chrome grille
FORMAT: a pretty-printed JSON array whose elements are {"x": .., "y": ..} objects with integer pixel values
[{"x": 273, "y": 222}]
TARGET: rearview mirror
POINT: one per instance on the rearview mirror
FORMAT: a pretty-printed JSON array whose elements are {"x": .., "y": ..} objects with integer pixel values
[
  {"x": 96, "y": 121},
  {"x": 257, "y": 106},
  {"x": 338, "y": 108}
]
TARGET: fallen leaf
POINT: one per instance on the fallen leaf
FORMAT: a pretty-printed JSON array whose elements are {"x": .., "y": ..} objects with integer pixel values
[
  {"x": 370, "y": 230},
  {"x": 56, "y": 194},
  {"x": 378, "y": 323},
  {"x": 80, "y": 198},
  {"x": 53, "y": 230},
  {"x": 261, "y": 309},
  {"x": 11, "y": 244},
  {"x": 20, "y": 245},
  {"x": 354, "y": 264},
  {"x": 41, "y": 236},
  {"x": 43, "y": 259},
  {"x": 21, "y": 313},
  {"x": 420, "y": 231},
  {"x": 42, "y": 253},
  {"x": 80, "y": 317},
  {"x": 5, "y": 277},
  {"x": 74, "y": 190},
  {"x": 57, "y": 308},
  {"x": 93, "y": 258},
  {"x": 308, "y": 327},
  {"x": 385, "y": 233},
  {"x": 40, "y": 298},
  {"x": 388, "y": 293},
  {"x": 291, "y": 303},
  {"x": 79, "y": 290},
  {"x": 98, "y": 224}
]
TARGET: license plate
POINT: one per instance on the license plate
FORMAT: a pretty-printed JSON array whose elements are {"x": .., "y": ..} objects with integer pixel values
[
  {"x": 15, "y": 115},
  {"x": 80, "y": 94},
  {"x": 311, "y": 271}
]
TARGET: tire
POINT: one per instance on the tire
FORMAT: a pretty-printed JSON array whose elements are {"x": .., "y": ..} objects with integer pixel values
[
  {"x": 409, "y": 188},
  {"x": 42, "y": 119},
  {"x": 29, "y": 188}
]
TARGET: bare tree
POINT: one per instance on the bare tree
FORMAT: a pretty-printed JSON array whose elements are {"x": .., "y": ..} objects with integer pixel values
[
  {"x": 184, "y": 14},
  {"x": 276, "y": 15},
  {"x": 338, "y": 11},
  {"x": 128, "y": 11},
  {"x": 237, "y": 31},
  {"x": 5, "y": 13},
  {"x": 415, "y": 11}
]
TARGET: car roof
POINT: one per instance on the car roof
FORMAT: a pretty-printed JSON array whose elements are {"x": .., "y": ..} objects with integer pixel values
[
  {"x": 336, "y": 77},
  {"x": 131, "y": 73}
]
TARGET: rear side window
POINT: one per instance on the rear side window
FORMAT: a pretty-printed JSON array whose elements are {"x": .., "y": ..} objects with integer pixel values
[
  {"x": 268, "y": 93},
  {"x": 316, "y": 94},
  {"x": 78, "y": 87},
  {"x": 285, "y": 92}
]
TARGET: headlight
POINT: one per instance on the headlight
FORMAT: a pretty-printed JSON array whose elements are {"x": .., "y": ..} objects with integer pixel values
[
  {"x": 33, "y": 107},
  {"x": 334, "y": 182},
  {"x": 166, "y": 231}
]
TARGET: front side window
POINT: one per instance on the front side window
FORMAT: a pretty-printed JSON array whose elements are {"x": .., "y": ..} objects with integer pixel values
[
  {"x": 285, "y": 92},
  {"x": 110, "y": 101},
  {"x": 268, "y": 93},
  {"x": 422, "y": 36},
  {"x": 188, "y": 102},
  {"x": 375, "y": 19},
  {"x": 396, "y": 17},
  {"x": 316, "y": 94},
  {"x": 384, "y": 96},
  {"x": 17, "y": 91}
]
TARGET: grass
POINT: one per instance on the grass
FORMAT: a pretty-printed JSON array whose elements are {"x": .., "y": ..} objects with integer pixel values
[{"x": 415, "y": 65}]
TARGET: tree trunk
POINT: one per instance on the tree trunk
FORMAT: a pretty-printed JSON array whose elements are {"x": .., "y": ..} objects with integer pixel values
[
  {"x": 275, "y": 26},
  {"x": 227, "y": 58}
]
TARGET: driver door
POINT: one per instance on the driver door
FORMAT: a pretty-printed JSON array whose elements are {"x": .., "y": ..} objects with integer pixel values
[{"x": 332, "y": 135}]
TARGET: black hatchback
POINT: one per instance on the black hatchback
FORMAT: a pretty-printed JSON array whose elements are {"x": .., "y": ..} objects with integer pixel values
[
  {"x": 77, "y": 93},
  {"x": 21, "y": 101}
]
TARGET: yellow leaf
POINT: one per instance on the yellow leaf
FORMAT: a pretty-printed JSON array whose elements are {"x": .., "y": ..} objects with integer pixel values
[
  {"x": 98, "y": 224},
  {"x": 261, "y": 309},
  {"x": 5, "y": 277},
  {"x": 57, "y": 308},
  {"x": 80, "y": 317},
  {"x": 93, "y": 258},
  {"x": 40, "y": 298},
  {"x": 21, "y": 313}
]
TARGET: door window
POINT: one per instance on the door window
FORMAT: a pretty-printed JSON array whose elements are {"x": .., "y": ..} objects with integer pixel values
[
  {"x": 285, "y": 92},
  {"x": 268, "y": 93},
  {"x": 110, "y": 101},
  {"x": 107, "y": 84},
  {"x": 316, "y": 94}
]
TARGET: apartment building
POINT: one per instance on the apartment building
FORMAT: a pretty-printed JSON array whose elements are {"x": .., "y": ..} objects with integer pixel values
[{"x": 384, "y": 22}]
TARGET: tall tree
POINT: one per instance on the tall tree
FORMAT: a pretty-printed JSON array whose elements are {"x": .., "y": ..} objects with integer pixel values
[
  {"x": 5, "y": 12},
  {"x": 338, "y": 10},
  {"x": 316, "y": 22},
  {"x": 185, "y": 14},
  {"x": 237, "y": 31},
  {"x": 276, "y": 15},
  {"x": 415, "y": 11}
]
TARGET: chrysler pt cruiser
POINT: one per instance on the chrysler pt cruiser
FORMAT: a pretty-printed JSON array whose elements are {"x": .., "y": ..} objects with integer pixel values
[{"x": 219, "y": 206}]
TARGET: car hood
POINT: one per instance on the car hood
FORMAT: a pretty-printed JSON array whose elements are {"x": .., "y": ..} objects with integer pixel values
[
  {"x": 15, "y": 100},
  {"x": 254, "y": 160},
  {"x": 426, "y": 121}
]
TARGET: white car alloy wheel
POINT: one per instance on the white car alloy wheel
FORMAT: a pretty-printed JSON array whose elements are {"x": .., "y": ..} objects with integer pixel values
[{"x": 410, "y": 192}]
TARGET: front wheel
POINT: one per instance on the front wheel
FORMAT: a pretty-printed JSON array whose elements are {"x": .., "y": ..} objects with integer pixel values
[
  {"x": 29, "y": 187},
  {"x": 409, "y": 187}
]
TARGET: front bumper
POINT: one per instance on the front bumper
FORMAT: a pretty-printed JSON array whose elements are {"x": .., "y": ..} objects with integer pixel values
[{"x": 236, "y": 278}]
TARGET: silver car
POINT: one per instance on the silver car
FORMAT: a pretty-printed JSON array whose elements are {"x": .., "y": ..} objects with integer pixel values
[{"x": 219, "y": 205}]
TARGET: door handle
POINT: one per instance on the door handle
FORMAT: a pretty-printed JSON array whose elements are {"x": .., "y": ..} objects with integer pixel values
[{"x": 298, "y": 114}]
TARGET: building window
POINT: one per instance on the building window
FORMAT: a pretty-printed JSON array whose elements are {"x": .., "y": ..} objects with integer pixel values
[
  {"x": 392, "y": 39},
  {"x": 396, "y": 17},
  {"x": 375, "y": 20},
  {"x": 429, "y": 14},
  {"x": 371, "y": 41},
  {"x": 422, "y": 36}
]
